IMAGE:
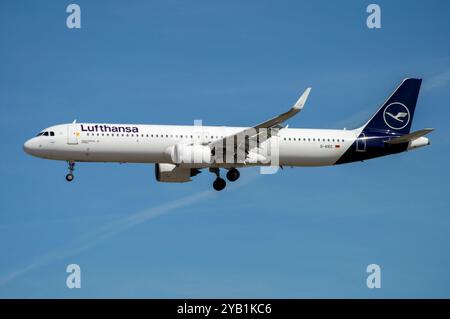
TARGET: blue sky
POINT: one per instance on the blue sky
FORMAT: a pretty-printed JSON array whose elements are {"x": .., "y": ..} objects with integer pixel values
[{"x": 304, "y": 232}]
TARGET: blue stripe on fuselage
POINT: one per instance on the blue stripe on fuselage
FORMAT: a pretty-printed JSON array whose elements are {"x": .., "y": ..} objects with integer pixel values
[{"x": 375, "y": 146}]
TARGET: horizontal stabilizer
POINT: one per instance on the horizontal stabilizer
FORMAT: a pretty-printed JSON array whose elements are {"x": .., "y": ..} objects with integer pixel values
[{"x": 410, "y": 137}]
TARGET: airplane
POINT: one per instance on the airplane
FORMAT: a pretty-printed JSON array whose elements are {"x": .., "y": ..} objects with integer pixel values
[{"x": 172, "y": 147}]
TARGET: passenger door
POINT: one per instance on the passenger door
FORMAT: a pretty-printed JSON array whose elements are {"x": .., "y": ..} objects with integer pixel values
[
  {"x": 72, "y": 134},
  {"x": 361, "y": 143}
]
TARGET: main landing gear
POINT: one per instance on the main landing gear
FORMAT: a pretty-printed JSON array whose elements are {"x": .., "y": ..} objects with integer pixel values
[
  {"x": 233, "y": 175},
  {"x": 219, "y": 183},
  {"x": 70, "y": 177}
]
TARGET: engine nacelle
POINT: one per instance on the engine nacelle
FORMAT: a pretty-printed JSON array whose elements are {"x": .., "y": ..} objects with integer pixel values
[
  {"x": 170, "y": 173},
  {"x": 189, "y": 155}
]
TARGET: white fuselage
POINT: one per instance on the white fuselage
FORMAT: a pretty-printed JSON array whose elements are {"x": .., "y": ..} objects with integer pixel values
[
  {"x": 181, "y": 152},
  {"x": 90, "y": 142}
]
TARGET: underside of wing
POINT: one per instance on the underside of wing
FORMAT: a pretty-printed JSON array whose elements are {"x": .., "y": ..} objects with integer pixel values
[{"x": 263, "y": 131}]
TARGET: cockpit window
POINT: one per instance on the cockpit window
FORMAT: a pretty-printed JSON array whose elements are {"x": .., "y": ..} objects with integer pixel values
[{"x": 47, "y": 133}]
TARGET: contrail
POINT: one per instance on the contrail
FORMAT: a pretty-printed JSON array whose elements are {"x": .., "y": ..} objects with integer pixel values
[{"x": 93, "y": 238}]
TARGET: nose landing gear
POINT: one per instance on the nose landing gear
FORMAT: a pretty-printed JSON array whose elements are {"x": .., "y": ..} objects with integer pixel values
[{"x": 70, "y": 176}]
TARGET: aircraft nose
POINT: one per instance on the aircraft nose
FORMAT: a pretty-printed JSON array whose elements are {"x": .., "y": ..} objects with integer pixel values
[{"x": 30, "y": 146}]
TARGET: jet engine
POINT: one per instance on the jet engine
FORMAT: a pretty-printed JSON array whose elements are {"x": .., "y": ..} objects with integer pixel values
[
  {"x": 189, "y": 155},
  {"x": 170, "y": 173}
]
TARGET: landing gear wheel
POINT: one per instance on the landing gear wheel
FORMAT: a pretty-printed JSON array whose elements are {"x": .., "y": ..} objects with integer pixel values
[
  {"x": 70, "y": 177},
  {"x": 233, "y": 175},
  {"x": 219, "y": 184}
]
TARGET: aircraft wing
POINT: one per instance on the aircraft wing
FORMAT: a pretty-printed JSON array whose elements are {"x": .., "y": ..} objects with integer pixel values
[
  {"x": 297, "y": 107},
  {"x": 253, "y": 132},
  {"x": 409, "y": 137}
]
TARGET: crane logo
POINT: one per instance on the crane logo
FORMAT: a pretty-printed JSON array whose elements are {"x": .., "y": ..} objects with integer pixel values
[{"x": 396, "y": 115}]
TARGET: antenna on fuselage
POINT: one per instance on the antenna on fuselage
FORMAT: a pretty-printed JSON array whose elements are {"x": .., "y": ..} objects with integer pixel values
[{"x": 74, "y": 121}]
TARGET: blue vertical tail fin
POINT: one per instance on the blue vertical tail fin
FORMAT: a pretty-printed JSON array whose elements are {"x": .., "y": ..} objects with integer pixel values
[{"x": 396, "y": 114}]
